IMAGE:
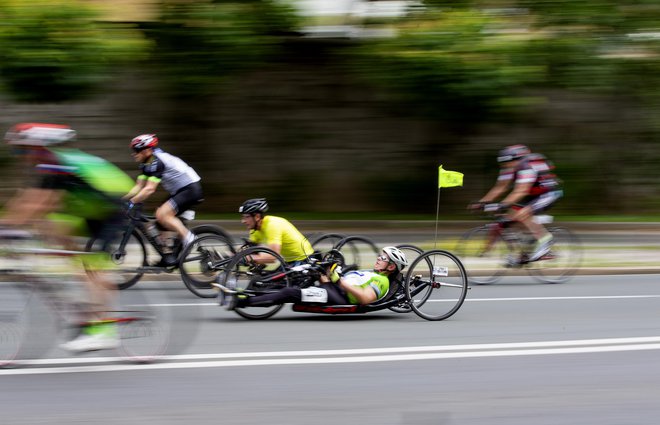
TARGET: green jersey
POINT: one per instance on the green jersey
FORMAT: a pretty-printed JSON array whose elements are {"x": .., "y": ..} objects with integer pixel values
[{"x": 380, "y": 283}]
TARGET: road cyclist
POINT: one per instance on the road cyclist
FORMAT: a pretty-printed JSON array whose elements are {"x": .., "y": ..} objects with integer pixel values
[
  {"x": 76, "y": 194},
  {"x": 180, "y": 180},
  {"x": 527, "y": 185}
]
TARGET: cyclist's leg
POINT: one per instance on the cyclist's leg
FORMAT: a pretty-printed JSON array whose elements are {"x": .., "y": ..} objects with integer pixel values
[
  {"x": 525, "y": 216},
  {"x": 97, "y": 332},
  {"x": 284, "y": 295},
  {"x": 335, "y": 295},
  {"x": 538, "y": 230},
  {"x": 185, "y": 198}
]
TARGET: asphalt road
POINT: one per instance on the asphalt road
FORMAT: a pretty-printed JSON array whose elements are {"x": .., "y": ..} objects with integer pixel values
[{"x": 518, "y": 352}]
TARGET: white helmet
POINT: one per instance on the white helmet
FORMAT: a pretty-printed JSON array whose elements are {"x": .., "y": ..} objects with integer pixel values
[{"x": 396, "y": 256}]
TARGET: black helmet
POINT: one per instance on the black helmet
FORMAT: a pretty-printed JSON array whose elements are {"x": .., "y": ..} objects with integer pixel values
[
  {"x": 513, "y": 152},
  {"x": 252, "y": 206}
]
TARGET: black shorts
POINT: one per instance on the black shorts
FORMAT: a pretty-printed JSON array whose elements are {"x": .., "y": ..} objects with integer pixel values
[
  {"x": 542, "y": 202},
  {"x": 186, "y": 197}
]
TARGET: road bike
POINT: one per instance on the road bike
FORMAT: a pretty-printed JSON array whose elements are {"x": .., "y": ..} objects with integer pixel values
[
  {"x": 500, "y": 246},
  {"x": 142, "y": 236},
  {"x": 34, "y": 275},
  {"x": 434, "y": 285}
]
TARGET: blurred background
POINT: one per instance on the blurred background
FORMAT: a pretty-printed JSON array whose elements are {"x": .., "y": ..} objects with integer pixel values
[{"x": 347, "y": 107}]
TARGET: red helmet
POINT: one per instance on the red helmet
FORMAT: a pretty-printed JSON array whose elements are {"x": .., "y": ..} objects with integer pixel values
[
  {"x": 39, "y": 134},
  {"x": 144, "y": 141}
]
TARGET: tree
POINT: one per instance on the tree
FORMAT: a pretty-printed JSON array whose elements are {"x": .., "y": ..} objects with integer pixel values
[{"x": 58, "y": 50}]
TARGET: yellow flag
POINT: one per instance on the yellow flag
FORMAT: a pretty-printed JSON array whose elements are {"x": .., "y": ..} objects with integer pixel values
[{"x": 449, "y": 178}]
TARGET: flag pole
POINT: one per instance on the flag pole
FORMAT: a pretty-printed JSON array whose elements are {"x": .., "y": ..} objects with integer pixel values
[{"x": 437, "y": 218}]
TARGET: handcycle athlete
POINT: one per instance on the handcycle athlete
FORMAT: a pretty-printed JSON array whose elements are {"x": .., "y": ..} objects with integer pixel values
[
  {"x": 535, "y": 189},
  {"x": 355, "y": 287},
  {"x": 77, "y": 193},
  {"x": 277, "y": 233}
]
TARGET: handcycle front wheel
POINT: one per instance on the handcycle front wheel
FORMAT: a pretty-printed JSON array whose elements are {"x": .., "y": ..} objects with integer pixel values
[
  {"x": 436, "y": 285},
  {"x": 254, "y": 279},
  {"x": 411, "y": 252},
  {"x": 201, "y": 261}
]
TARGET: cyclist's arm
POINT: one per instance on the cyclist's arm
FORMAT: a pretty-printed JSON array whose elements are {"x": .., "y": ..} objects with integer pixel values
[
  {"x": 500, "y": 187},
  {"x": 520, "y": 191},
  {"x": 148, "y": 188},
  {"x": 31, "y": 203},
  {"x": 263, "y": 257},
  {"x": 139, "y": 184},
  {"x": 364, "y": 295}
]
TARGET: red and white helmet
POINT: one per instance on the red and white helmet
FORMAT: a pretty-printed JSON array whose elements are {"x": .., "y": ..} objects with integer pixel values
[
  {"x": 39, "y": 134},
  {"x": 513, "y": 153},
  {"x": 144, "y": 141}
]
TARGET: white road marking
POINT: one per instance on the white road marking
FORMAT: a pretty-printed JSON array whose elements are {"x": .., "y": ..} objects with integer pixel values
[
  {"x": 216, "y": 360},
  {"x": 586, "y": 297}
]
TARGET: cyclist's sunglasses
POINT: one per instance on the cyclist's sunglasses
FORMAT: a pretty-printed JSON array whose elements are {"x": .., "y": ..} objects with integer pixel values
[{"x": 383, "y": 258}]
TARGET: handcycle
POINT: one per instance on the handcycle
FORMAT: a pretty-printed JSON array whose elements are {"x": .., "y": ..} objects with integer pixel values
[
  {"x": 490, "y": 250},
  {"x": 34, "y": 274},
  {"x": 130, "y": 251},
  {"x": 434, "y": 286},
  {"x": 356, "y": 250}
]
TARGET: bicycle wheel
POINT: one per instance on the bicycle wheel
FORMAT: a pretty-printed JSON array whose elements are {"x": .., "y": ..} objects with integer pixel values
[
  {"x": 436, "y": 285},
  {"x": 563, "y": 260},
  {"x": 326, "y": 242},
  {"x": 359, "y": 252},
  {"x": 212, "y": 229},
  {"x": 255, "y": 279},
  {"x": 128, "y": 260},
  {"x": 199, "y": 263},
  {"x": 14, "y": 322},
  {"x": 411, "y": 252},
  {"x": 144, "y": 324},
  {"x": 484, "y": 254}
]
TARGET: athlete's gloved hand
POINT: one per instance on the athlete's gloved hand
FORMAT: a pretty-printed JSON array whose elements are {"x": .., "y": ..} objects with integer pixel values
[
  {"x": 497, "y": 208},
  {"x": 333, "y": 273},
  {"x": 476, "y": 206},
  {"x": 132, "y": 208}
]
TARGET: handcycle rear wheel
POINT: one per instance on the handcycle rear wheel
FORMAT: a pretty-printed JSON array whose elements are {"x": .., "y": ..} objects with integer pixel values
[
  {"x": 255, "y": 279},
  {"x": 411, "y": 252},
  {"x": 128, "y": 261},
  {"x": 326, "y": 242},
  {"x": 484, "y": 254},
  {"x": 436, "y": 285},
  {"x": 562, "y": 261},
  {"x": 199, "y": 263}
]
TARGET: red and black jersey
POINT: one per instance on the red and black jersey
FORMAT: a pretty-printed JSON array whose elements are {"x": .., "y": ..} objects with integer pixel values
[{"x": 533, "y": 168}]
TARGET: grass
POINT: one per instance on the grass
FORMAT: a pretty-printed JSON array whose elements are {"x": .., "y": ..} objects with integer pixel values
[{"x": 425, "y": 217}]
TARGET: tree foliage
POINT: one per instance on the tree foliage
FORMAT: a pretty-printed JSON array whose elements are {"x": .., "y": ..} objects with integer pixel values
[
  {"x": 198, "y": 44},
  {"x": 57, "y": 50}
]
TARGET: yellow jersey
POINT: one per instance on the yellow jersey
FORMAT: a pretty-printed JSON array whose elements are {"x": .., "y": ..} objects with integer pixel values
[{"x": 279, "y": 231}]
